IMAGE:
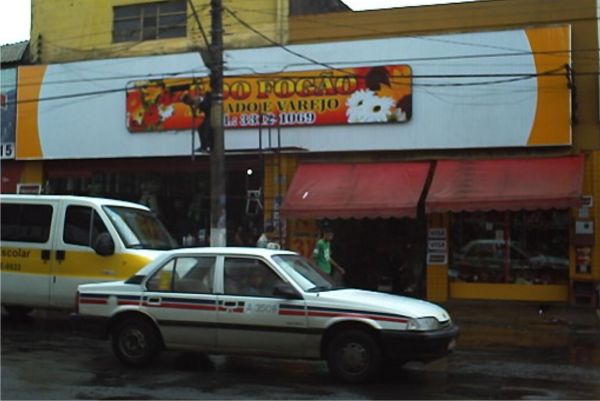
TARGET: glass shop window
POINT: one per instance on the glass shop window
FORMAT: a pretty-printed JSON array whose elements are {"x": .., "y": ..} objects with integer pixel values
[{"x": 524, "y": 247}]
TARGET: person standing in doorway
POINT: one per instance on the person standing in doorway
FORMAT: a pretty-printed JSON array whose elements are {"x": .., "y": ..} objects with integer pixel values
[
  {"x": 267, "y": 239},
  {"x": 323, "y": 259}
]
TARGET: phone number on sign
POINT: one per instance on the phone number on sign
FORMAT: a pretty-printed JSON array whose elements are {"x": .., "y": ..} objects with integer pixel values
[{"x": 255, "y": 120}]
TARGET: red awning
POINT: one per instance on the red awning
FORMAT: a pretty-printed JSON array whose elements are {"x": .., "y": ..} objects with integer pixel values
[
  {"x": 354, "y": 190},
  {"x": 506, "y": 184}
]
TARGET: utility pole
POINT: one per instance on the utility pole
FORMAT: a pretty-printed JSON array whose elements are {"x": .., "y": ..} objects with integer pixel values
[{"x": 218, "y": 218}]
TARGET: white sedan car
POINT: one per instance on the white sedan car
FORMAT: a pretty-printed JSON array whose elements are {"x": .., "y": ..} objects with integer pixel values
[{"x": 260, "y": 302}]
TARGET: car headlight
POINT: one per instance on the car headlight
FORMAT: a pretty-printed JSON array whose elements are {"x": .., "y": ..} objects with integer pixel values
[
  {"x": 428, "y": 323},
  {"x": 413, "y": 324},
  {"x": 423, "y": 324}
]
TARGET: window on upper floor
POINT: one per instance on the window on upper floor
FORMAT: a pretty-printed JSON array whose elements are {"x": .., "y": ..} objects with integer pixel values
[{"x": 150, "y": 21}]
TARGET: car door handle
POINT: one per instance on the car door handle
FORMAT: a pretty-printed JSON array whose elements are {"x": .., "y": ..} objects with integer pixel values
[{"x": 153, "y": 301}]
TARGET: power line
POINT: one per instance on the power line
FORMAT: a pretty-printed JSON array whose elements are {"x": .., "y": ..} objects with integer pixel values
[
  {"x": 328, "y": 65},
  {"x": 502, "y": 79},
  {"x": 292, "y": 52},
  {"x": 354, "y": 27},
  {"x": 106, "y": 50},
  {"x": 313, "y": 61}
]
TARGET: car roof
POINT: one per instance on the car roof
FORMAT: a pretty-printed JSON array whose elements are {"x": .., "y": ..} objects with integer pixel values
[
  {"x": 230, "y": 250},
  {"x": 90, "y": 199}
]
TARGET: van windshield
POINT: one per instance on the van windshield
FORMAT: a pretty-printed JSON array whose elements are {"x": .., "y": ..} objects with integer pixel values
[{"x": 139, "y": 229}]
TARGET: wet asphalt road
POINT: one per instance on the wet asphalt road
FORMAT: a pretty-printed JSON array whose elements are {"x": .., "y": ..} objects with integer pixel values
[{"x": 42, "y": 359}]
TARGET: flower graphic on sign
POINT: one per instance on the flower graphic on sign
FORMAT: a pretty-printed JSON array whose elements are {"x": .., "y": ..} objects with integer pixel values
[
  {"x": 165, "y": 112},
  {"x": 364, "y": 106},
  {"x": 380, "y": 102}
]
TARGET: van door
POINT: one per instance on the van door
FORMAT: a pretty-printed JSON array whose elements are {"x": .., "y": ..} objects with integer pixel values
[
  {"x": 76, "y": 262},
  {"x": 28, "y": 230}
]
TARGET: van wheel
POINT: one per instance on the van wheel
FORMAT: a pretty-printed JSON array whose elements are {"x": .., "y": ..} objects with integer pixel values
[
  {"x": 17, "y": 312},
  {"x": 135, "y": 341},
  {"x": 354, "y": 356}
]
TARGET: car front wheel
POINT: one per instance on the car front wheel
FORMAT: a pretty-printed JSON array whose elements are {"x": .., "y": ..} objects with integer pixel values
[
  {"x": 135, "y": 341},
  {"x": 354, "y": 356}
]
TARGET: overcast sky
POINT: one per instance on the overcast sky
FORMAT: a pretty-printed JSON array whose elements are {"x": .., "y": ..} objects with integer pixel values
[{"x": 15, "y": 15}]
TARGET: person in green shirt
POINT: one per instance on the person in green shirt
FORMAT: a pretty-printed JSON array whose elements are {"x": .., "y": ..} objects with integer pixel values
[{"x": 322, "y": 255}]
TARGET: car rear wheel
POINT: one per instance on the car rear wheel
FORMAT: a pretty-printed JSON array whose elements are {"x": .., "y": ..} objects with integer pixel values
[
  {"x": 354, "y": 356},
  {"x": 135, "y": 341}
]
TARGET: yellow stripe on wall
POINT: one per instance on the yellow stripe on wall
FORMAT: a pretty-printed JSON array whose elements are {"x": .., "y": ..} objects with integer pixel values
[
  {"x": 510, "y": 292},
  {"x": 27, "y": 136},
  {"x": 552, "y": 124}
]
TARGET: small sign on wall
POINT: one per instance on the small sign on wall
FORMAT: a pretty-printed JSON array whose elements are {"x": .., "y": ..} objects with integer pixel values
[
  {"x": 437, "y": 258},
  {"x": 438, "y": 245},
  {"x": 29, "y": 189},
  {"x": 437, "y": 233},
  {"x": 587, "y": 201}
]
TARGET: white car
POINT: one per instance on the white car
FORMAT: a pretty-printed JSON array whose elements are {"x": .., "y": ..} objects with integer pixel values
[{"x": 260, "y": 302}]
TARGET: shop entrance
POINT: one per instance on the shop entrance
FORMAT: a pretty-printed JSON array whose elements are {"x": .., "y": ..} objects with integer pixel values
[
  {"x": 379, "y": 254},
  {"x": 176, "y": 189}
]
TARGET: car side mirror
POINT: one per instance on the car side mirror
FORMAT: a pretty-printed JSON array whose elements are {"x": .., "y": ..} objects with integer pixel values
[
  {"x": 104, "y": 245},
  {"x": 286, "y": 291}
]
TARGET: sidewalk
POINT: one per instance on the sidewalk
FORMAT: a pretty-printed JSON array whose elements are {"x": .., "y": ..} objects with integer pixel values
[{"x": 520, "y": 315}]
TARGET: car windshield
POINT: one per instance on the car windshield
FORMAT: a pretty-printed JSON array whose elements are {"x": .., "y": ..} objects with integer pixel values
[
  {"x": 305, "y": 273},
  {"x": 139, "y": 228}
]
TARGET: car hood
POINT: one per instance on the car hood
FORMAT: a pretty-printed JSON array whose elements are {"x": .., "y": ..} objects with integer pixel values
[
  {"x": 373, "y": 301},
  {"x": 108, "y": 286}
]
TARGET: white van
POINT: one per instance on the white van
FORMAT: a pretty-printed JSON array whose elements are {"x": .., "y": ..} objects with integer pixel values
[{"x": 51, "y": 244}]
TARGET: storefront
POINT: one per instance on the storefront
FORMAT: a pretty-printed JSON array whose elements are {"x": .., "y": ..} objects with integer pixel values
[
  {"x": 508, "y": 225},
  {"x": 177, "y": 189},
  {"x": 366, "y": 146},
  {"x": 504, "y": 226},
  {"x": 373, "y": 210}
]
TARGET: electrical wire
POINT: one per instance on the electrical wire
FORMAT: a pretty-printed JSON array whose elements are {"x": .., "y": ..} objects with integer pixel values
[
  {"x": 506, "y": 78},
  {"x": 273, "y": 42},
  {"x": 379, "y": 32},
  {"x": 312, "y": 61}
]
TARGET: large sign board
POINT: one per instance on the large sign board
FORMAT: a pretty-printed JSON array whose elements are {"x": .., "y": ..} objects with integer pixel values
[
  {"x": 380, "y": 94},
  {"x": 450, "y": 91}
]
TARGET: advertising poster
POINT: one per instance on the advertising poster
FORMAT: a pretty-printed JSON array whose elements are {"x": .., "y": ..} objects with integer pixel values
[{"x": 361, "y": 95}]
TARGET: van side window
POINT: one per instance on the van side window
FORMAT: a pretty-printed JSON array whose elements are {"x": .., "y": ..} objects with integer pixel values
[
  {"x": 82, "y": 226},
  {"x": 27, "y": 223}
]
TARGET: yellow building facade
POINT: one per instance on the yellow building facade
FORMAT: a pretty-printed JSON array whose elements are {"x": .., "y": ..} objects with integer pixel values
[
  {"x": 75, "y": 30},
  {"x": 71, "y": 30}
]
